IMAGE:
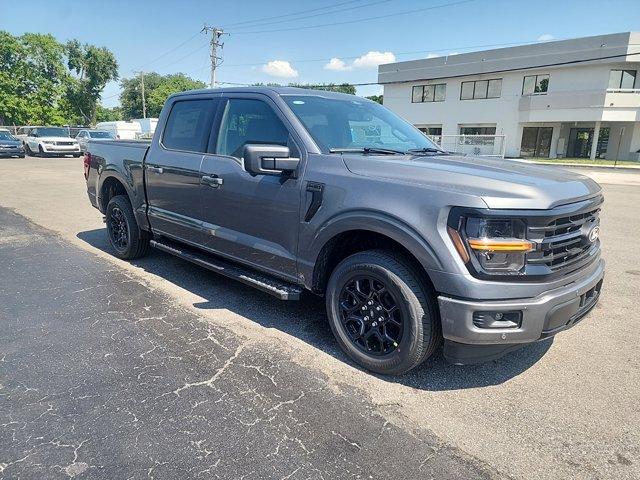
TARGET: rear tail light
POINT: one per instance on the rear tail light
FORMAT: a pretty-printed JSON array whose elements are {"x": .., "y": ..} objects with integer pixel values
[{"x": 87, "y": 164}]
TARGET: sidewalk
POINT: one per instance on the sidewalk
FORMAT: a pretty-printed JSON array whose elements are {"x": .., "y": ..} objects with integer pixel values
[{"x": 580, "y": 165}]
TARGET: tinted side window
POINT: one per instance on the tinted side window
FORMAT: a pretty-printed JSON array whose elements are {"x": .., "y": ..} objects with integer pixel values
[
  {"x": 247, "y": 121},
  {"x": 188, "y": 125}
]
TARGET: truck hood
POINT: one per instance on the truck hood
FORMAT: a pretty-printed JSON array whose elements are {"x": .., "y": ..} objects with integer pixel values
[{"x": 499, "y": 183}]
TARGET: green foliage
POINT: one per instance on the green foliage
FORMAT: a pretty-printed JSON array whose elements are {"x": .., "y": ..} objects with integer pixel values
[
  {"x": 92, "y": 67},
  {"x": 104, "y": 114},
  {"x": 157, "y": 88},
  {"x": 45, "y": 82},
  {"x": 33, "y": 79},
  {"x": 376, "y": 98},
  {"x": 331, "y": 87}
]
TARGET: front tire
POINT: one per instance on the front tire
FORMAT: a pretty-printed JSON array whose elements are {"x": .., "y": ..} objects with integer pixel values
[
  {"x": 41, "y": 152},
  {"x": 125, "y": 236},
  {"x": 382, "y": 313}
]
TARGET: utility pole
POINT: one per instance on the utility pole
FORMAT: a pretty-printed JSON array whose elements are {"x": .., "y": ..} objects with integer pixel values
[
  {"x": 144, "y": 103},
  {"x": 216, "y": 60}
]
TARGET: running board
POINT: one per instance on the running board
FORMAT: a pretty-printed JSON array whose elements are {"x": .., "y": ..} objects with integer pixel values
[{"x": 274, "y": 286}]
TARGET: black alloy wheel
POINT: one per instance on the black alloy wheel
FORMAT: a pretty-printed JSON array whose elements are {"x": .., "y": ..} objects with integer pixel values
[
  {"x": 382, "y": 311},
  {"x": 370, "y": 315},
  {"x": 118, "y": 229}
]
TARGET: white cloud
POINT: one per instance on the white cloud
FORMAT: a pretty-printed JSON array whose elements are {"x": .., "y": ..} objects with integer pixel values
[
  {"x": 454, "y": 53},
  {"x": 545, "y": 37},
  {"x": 373, "y": 59},
  {"x": 433, "y": 55},
  {"x": 280, "y": 69},
  {"x": 337, "y": 65}
]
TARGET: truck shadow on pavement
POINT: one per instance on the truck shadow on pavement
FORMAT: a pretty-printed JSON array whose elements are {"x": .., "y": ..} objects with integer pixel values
[{"x": 306, "y": 320}]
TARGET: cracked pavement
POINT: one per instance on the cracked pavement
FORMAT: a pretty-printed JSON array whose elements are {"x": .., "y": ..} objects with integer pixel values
[
  {"x": 101, "y": 377},
  {"x": 566, "y": 409}
]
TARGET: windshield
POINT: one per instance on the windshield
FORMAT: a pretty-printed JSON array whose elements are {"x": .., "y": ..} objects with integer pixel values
[
  {"x": 100, "y": 134},
  {"x": 6, "y": 136},
  {"x": 53, "y": 132},
  {"x": 337, "y": 124}
]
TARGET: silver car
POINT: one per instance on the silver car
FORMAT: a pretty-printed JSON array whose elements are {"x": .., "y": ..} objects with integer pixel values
[{"x": 89, "y": 134}]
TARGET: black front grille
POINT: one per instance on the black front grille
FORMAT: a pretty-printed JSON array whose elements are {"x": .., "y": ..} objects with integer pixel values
[{"x": 563, "y": 241}]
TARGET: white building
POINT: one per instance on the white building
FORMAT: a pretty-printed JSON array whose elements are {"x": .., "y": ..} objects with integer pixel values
[{"x": 569, "y": 98}]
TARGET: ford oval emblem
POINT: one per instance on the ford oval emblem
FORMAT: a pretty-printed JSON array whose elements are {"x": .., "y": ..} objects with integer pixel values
[{"x": 594, "y": 234}]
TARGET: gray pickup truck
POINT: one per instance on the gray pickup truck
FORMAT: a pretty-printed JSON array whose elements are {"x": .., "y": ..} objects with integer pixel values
[{"x": 287, "y": 189}]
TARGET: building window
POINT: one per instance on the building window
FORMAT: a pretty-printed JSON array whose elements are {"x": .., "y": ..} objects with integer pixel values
[
  {"x": 481, "y": 89},
  {"x": 535, "y": 84},
  {"x": 431, "y": 131},
  {"x": 477, "y": 130},
  {"x": 429, "y": 93},
  {"x": 622, "y": 79}
]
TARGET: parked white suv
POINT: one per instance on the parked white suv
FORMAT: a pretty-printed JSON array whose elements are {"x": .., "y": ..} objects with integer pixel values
[{"x": 51, "y": 141}]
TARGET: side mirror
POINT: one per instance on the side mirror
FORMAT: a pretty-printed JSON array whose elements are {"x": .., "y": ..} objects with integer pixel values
[{"x": 268, "y": 160}]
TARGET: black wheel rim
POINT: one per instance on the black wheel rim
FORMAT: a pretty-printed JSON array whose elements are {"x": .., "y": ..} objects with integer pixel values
[
  {"x": 118, "y": 230},
  {"x": 370, "y": 315}
]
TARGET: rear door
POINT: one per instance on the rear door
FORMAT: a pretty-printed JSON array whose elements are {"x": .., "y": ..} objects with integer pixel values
[
  {"x": 172, "y": 169},
  {"x": 253, "y": 219}
]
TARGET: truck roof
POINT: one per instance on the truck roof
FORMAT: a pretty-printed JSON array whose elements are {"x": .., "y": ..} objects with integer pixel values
[{"x": 271, "y": 91}]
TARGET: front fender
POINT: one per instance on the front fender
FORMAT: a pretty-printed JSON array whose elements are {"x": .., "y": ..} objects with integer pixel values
[{"x": 374, "y": 221}]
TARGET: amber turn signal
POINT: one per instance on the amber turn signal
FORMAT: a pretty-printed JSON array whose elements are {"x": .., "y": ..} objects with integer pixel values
[
  {"x": 457, "y": 242},
  {"x": 500, "y": 245}
]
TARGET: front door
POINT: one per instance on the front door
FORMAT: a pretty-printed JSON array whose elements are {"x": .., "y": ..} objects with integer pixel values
[
  {"x": 172, "y": 170},
  {"x": 536, "y": 142},
  {"x": 252, "y": 219}
]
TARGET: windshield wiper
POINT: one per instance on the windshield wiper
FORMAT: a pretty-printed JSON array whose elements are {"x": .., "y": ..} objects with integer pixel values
[
  {"x": 426, "y": 150},
  {"x": 384, "y": 151}
]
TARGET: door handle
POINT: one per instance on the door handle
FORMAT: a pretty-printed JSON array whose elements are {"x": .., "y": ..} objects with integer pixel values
[
  {"x": 212, "y": 180},
  {"x": 157, "y": 170}
]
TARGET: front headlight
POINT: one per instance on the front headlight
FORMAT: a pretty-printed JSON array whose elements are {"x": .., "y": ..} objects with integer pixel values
[
  {"x": 492, "y": 245},
  {"x": 48, "y": 142}
]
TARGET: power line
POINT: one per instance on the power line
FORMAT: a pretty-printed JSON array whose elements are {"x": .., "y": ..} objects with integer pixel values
[
  {"x": 300, "y": 12},
  {"x": 201, "y": 47},
  {"x": 502, "y": 70},
  {"x": 357, "y": 20},
  {"x": 367, "y": 4},
  {"x": 173, "y": 49},
  {"x": 414, "y": 52}
]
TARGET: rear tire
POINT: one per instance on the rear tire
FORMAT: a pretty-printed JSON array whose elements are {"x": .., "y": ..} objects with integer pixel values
[
  {"x": 389, "y": 326},
  {"x": 125, "y": 236},
  {"x": 28, "y": 150}
]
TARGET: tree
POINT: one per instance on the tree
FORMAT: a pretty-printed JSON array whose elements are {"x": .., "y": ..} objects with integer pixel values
[
  {"x": 93, "y": 68},
  {"x": 33, "y": 79},
  {"x": 104, "y": 114},
  {"x": 376, "y": 98},
  {"x": 156, "y": 88},
  {"x": 170, "y": 84}
]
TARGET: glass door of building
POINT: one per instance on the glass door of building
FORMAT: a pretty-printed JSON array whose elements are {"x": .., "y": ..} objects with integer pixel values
[
  {"x": 536, "y": 142},
  {"x": 580, "y": 140}
]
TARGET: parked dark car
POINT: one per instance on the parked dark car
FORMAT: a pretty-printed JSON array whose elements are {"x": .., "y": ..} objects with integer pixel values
[
  {"x": 10, "y": 146},
  {"x": 288, "y": 189}
]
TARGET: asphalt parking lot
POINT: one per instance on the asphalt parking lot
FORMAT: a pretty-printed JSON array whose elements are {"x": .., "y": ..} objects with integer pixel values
[{"x": 159, "y": 369}]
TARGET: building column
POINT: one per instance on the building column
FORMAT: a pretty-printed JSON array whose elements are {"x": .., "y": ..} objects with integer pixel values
[{"x": 594, "y": 142}]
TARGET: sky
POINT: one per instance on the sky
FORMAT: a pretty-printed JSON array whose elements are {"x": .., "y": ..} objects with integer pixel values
[{"x": 313, "y": 41}]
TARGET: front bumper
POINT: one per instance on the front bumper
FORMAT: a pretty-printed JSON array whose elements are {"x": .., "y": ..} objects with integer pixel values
[
  {"x": 11, "y": 151},
  {"x": 64, "y": 149},
  {"x": 542, "y": 317}
]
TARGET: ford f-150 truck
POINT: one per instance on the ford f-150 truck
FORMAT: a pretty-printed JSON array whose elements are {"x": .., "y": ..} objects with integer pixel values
[{"x": 287, "y": 189}]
